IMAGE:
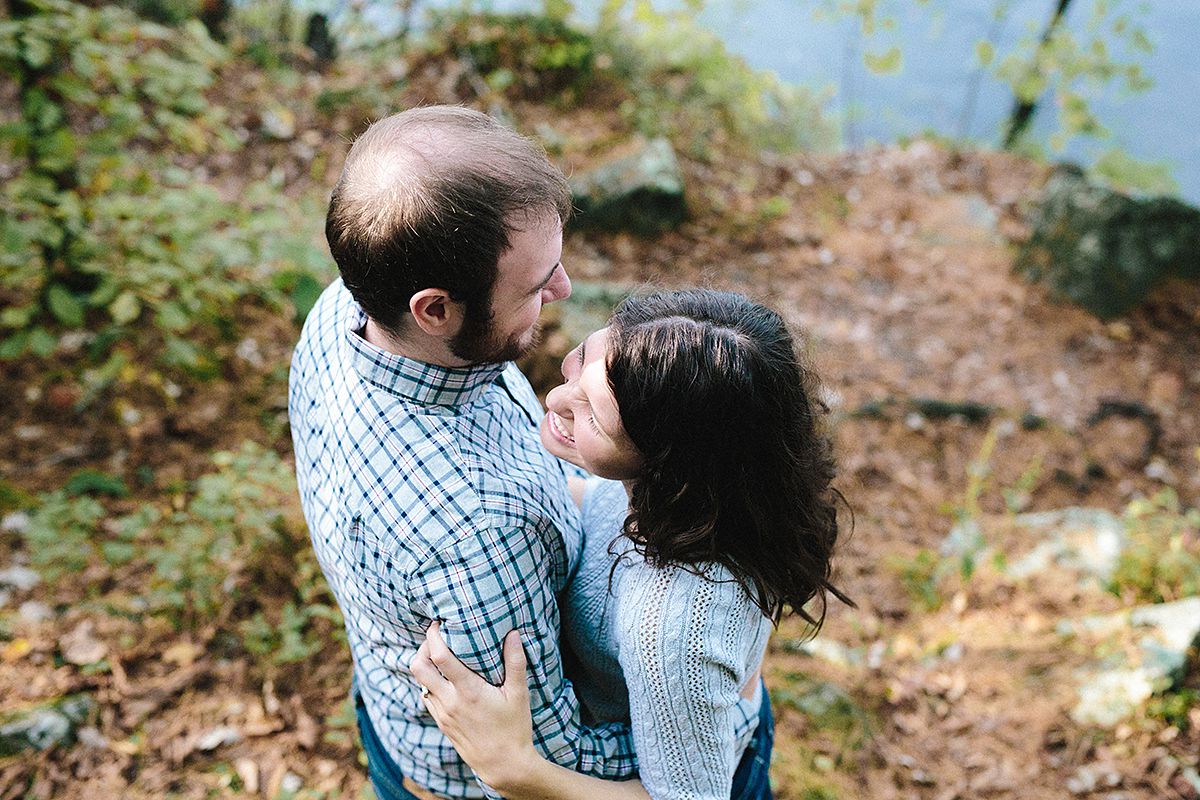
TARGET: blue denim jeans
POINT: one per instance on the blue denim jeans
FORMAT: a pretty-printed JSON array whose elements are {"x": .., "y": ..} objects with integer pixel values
[
  {"x": 385, "y": 776},
  {"x": 750, "y": 781}
]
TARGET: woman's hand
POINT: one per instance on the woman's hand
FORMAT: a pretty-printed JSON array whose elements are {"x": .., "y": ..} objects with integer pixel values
[{"x": 490, "y": 726}]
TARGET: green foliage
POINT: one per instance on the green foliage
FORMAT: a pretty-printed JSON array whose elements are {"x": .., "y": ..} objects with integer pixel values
[
  {"x": 1174, "y": 708},
  {"x": 63, "y": 533},
  {"x": 1127, "y": 174},
  {"x": 1069, "y": 65},
  {"x": 99, "y": 230},
  {"x": 223, "y": 546},
  {"x": 14, "y": 498},
  {"x": 921, "y": 576},
  {"x": 1073, "y": 64},
  {"x": 829, "y": 710},
  {"x": 94, "y": 482},
  {"x": 686, "y": 85},
  {"x": 1162, "y": 560},
  {"x": 528, "y": 56}
]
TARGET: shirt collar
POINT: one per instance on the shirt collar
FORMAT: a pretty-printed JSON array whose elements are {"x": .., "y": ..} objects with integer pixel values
[{"x": 422, "y": 383}]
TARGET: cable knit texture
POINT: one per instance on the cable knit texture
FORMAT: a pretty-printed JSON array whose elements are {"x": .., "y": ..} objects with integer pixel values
[{"x": 667, "y": 650}]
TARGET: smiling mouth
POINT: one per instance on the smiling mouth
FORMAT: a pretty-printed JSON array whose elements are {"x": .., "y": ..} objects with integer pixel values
[{"x": 559, "y": 430}]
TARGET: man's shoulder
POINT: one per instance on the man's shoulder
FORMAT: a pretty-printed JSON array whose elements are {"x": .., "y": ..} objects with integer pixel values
[{"x": 328, "y": 316}]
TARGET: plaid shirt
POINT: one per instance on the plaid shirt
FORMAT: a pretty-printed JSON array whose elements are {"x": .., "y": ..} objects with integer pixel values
[{"x": 429, "y": 497}]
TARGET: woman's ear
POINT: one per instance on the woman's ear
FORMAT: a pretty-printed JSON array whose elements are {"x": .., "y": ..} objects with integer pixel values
[{"x": 436, "y": 314}]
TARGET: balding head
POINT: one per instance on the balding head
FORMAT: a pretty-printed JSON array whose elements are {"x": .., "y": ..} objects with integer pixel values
[{"x": 427, "y": 198}]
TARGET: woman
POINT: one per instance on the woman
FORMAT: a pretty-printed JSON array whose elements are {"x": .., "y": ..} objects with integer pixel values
[{"x": 701, "y": 426}]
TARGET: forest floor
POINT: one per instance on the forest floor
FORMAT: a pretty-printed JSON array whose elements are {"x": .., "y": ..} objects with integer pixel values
[{"x": 895, "y": 266}]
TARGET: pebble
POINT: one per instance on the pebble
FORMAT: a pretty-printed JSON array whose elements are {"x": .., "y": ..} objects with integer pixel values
[
  {"x": 291, "y": 783},
  {"x": 20, "y": 578},
  {"x": 217, "y": 737},
  {"x": 17, "y": 522},
  {"x": 32, "y": 612},
  {"x": 92, "y": 737}
]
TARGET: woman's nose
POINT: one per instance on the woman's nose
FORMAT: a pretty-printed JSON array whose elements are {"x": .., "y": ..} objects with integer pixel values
[
  {"x": 570, "y": 364},
  {"x": 556, "y": 401}
]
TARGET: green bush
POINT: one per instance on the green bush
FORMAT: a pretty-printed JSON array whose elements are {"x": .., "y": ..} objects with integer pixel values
[
  {"x": 101, "y": 228},
  {"x": 63, "y": 534},
  {"x": 527, "y": 56},
  {"x": 686, "y": 85},
  {"x": 225, "y": 551}
]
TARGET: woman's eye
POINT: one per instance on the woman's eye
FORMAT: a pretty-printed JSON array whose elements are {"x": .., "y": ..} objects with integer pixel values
[{"x": 592, "y": 421}]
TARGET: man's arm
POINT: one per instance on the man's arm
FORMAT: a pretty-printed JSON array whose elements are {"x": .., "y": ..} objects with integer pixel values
[{"x": 490, "y": 582}]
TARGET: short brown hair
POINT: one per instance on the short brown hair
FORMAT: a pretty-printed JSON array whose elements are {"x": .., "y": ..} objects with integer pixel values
[{"x": 428, "y": 198}]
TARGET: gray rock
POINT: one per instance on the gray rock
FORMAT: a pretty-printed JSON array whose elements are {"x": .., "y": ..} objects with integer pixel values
[
  {"x": 1088, "y": 541},
  {"x": 1105, "y": 250},
  {"x": 17, "y": 522},
  {"x": 217, "y": 737},
  {"x": 20, "y": 578},
  {"x": 44, "y": 726},
  {"x": 589, "y": 307},
  {"x": 1114, "y": 690},
  {"x": 640, "y": 192},
  {"x": 32, "y": 612}
]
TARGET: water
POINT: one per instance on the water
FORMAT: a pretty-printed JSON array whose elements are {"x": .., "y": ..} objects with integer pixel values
[{"x": 932, "y": 92}]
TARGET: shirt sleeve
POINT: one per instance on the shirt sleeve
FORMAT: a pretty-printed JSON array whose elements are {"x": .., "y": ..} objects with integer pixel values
[
  {"x": 683, "y": 647},
  {"x": 495, "y": 580}
]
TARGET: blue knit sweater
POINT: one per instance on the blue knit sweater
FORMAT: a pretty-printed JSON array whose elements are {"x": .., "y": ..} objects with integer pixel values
[{"x": 666, "y": 650}]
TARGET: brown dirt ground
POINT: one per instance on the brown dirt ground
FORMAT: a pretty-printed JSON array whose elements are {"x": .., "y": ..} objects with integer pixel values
[{"x": 895, "y": 266}]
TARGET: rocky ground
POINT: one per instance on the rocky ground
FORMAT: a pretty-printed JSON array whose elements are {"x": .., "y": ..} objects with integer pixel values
[{"x": 961, "y": 397}]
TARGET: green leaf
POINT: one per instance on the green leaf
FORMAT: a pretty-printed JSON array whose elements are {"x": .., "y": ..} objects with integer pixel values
[
  {"x": 172, "y": 317},
  {"x": 41, "y": 343},
  {"x": 57, "y": 151},
  {"x": 65, "y": 306},
  {"x": 17, "y": 316},
  {"x": 885, "y": 63},
  {"x": 985, "y": 52},
  {"x": 14, "y": 346},
  {"x": 93, "y": 482},
  {"x": 126, "y": 308},
  {"x": 37, "y": 51}
]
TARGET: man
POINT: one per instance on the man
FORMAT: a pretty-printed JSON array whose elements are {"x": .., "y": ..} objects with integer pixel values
[{"x": 427, "y": 493}]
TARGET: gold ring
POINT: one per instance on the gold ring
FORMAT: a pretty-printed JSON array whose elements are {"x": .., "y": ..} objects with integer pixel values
[{"x": 424, "y": 691}]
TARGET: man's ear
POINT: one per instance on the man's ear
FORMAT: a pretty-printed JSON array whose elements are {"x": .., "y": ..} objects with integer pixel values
[{"x": 435, "y": 313}]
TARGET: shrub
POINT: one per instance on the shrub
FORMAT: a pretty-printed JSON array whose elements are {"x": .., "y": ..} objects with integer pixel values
[
  {"x": 100, "y": 230},
  {"x": 228, "y": 550},
  {"x": 526, "y": 56},
  {"x": 686, "y": 85}
]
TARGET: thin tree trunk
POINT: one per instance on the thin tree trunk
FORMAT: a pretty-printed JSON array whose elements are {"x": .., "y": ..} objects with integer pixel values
[{"x": 1023, "y": 110}]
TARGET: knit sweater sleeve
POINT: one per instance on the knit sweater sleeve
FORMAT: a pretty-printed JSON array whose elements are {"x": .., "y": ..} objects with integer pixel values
[{"x": 686, "y": 647}]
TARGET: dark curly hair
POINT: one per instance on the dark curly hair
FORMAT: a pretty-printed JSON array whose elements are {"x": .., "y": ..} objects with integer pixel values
[{"x": 736, "y": 469}]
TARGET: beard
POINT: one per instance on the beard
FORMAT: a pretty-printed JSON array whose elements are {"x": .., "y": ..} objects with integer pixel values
[{"x": 479, "y": 343}]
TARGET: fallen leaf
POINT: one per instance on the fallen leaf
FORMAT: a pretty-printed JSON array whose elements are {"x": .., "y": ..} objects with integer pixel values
[
  {"x": 182, "y": 653},
  {"x": 247, "y": 771},
  {"x": 16, "y": 650}
]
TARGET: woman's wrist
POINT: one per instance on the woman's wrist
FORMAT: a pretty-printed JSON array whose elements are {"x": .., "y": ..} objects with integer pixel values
[{"x": 522, "y": 772}]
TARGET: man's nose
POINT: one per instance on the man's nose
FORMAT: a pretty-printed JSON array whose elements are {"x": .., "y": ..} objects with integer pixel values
[{"x": 559, "y": 287}]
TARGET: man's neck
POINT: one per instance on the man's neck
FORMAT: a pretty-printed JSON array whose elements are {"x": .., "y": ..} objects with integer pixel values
[{"x": 423, "y": 349}]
